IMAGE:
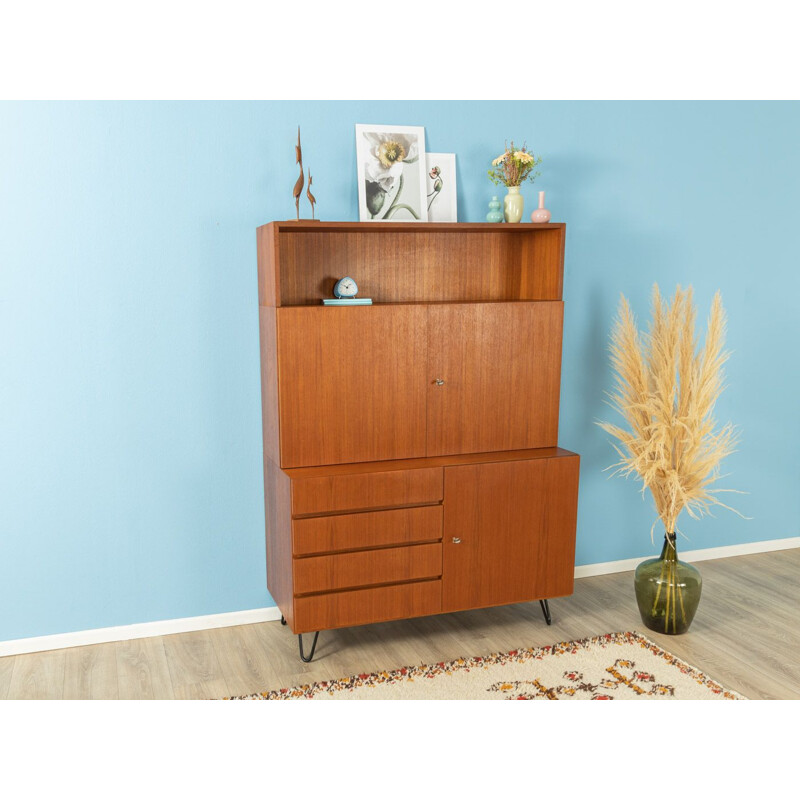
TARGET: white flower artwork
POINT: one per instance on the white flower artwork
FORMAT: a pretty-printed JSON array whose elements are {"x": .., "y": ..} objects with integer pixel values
[{"x": 391, "y": 173}]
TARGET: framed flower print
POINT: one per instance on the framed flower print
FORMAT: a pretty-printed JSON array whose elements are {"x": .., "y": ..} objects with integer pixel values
[
  {"x": 391, "y": 173},
  {"x": 441, "y": 187}
]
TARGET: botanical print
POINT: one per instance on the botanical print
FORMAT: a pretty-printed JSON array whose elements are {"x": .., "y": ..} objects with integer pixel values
[
  {"x": 391, "y": 173},
  {"x": 441, "y": 193}
]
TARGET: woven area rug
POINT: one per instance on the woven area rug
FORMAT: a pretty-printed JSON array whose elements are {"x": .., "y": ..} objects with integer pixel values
[{"x": 616, "y": 666}]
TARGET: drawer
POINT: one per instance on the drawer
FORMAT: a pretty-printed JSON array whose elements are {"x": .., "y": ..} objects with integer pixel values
[
  {"x": 367, "y": 568},
  {"x": 369, "y": 529},
  {"x": 383, "y": 603},
  {"x": 365, "y": 490}
]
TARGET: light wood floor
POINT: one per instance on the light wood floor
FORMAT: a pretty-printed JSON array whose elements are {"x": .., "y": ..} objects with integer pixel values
[{"x": 746, "y": 635}]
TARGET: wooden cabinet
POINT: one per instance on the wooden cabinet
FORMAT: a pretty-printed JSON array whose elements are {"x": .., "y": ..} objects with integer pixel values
[
  {"x": 509, "y": 532},
  {"x": 406, "y": 381},
  {"x": 351, "y": 383},
  {"x": 411, "y": 464},
  {"x": 499, "y": 365}
]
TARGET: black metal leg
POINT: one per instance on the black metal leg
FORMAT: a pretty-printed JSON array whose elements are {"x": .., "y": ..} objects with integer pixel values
[
  {"x": 283, "y": 620},
  {"x": 313, "y": 647},
  {"x": 546, "y": 610}
]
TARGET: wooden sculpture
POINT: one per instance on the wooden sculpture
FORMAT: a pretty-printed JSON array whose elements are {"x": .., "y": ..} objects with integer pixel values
[
  {"x": 298, "y": 187},
  {"x": 311, "y": 198}
]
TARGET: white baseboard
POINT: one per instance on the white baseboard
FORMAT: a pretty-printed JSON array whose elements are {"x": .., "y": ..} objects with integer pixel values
[
  {"x": 142, "y": 630},
  {"x": 607, "y": 567}
]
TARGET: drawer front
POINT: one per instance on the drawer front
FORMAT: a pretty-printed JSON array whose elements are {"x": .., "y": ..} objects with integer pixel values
[
  {"x": 383, "y": 603},
  {"x": 402, "y": 487},
  {"x": 370, "y": 529},
  {"x": 367, "y": 568}
]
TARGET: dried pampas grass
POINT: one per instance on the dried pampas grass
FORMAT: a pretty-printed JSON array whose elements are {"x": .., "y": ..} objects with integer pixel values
[{"x": 666, "y": 388}]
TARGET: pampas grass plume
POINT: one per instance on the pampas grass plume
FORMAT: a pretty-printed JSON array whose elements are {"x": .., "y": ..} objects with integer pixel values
[{"x": 666, "y": 386}]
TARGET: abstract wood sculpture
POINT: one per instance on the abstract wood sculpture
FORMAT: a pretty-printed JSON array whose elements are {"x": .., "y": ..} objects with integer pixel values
[
  {"x": 311, "y": 198},
  {"x": 298, "y": 187}
]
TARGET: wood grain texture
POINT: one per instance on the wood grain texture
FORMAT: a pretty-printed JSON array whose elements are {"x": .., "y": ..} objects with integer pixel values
[
  {"x": 6, "y": 670},
  {"x": 367, "y": 568},
  {"x": 268, "y": 273},
  {"x": 545, "y": 251},
  {"x": 516, "y": 525},
  {"x": 412, "y": 263},
  {"x": 305, "y": 226},
  {"x": 351, "y": 384},
  {"x": 366, "y": 490},
  {"x": 340, "y": 609},
  {"x": 90, "y": 673},
  {"x": 501, "y": 367},
  {"x": 38, "y": 676},
  {"x": 243, "y": 659},
  {"x": 194, "y": 670},
  {"x": 425, "y": 463},
  {"x": 142, "y": 670},
  {"x": 270, "y": 417},
  {"x": 370, "y": 529},
  {"x": 278, "y": 520}
]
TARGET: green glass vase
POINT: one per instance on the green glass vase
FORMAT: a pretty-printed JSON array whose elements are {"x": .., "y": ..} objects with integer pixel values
[{"x": 667, "y": 590}]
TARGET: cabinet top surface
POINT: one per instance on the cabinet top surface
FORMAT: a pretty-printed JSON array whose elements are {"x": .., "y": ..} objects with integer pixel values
[
  {"x": 293, "y": 226},
  {"x": 354, "y": 468}
]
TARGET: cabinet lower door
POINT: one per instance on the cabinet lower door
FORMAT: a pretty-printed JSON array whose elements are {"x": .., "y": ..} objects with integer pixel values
[
  {"x": 352, "y": 383},
  {"x": 494, "y": 376},
  {"x": 509, "y": 532}
]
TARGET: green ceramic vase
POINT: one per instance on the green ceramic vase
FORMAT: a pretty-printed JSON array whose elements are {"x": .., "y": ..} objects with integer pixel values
[
  {"x": 495, "y": 214},
  {"x": 667, "y": 590},
  {"x": 513, "y": 204}
]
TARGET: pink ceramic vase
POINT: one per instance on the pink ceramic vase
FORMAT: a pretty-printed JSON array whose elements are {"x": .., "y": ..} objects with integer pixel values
[{"x": 541, "y": 214}]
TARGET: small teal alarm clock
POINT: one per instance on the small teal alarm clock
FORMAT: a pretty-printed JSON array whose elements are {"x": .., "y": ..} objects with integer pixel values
[{"x": 345, "y": 287}]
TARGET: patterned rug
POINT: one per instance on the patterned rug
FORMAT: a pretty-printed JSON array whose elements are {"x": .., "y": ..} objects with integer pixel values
[{"x": 616, "y": 666}]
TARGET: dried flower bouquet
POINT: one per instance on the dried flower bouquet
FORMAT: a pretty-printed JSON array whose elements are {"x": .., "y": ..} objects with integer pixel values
[{"x": 514, "y": 166}]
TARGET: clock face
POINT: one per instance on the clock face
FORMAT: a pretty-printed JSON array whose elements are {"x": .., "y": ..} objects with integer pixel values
[{"x": 346, "y": 287}]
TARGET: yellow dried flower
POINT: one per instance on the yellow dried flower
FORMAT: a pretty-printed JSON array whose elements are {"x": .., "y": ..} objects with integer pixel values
[{"x": 500, "y": 159}]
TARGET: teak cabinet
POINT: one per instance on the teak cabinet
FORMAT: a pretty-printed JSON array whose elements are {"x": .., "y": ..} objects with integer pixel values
[{"x": 411, "y": 461}]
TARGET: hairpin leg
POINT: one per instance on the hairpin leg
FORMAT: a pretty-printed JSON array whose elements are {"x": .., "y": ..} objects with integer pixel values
[
  {"x": 546, "y": 610},
  {"x": 283, "y": 620},
  {"x": 313, "y": 647}
]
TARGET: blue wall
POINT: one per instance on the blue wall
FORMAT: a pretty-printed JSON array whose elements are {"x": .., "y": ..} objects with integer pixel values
[{"x": 130, "y": 428}]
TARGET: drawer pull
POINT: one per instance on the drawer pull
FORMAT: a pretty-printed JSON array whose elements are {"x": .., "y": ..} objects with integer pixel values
[{"x": 456, "y": 540}]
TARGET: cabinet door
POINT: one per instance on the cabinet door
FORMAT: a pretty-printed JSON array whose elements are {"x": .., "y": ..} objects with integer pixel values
[
  {"x": 493, "y": 382},
  {"x": 352, "y": 383},
  {"x": 509, "y": 532}
]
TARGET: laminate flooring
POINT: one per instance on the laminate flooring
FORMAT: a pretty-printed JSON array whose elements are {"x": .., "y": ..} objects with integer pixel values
[{"x": 746, "y": 635}]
